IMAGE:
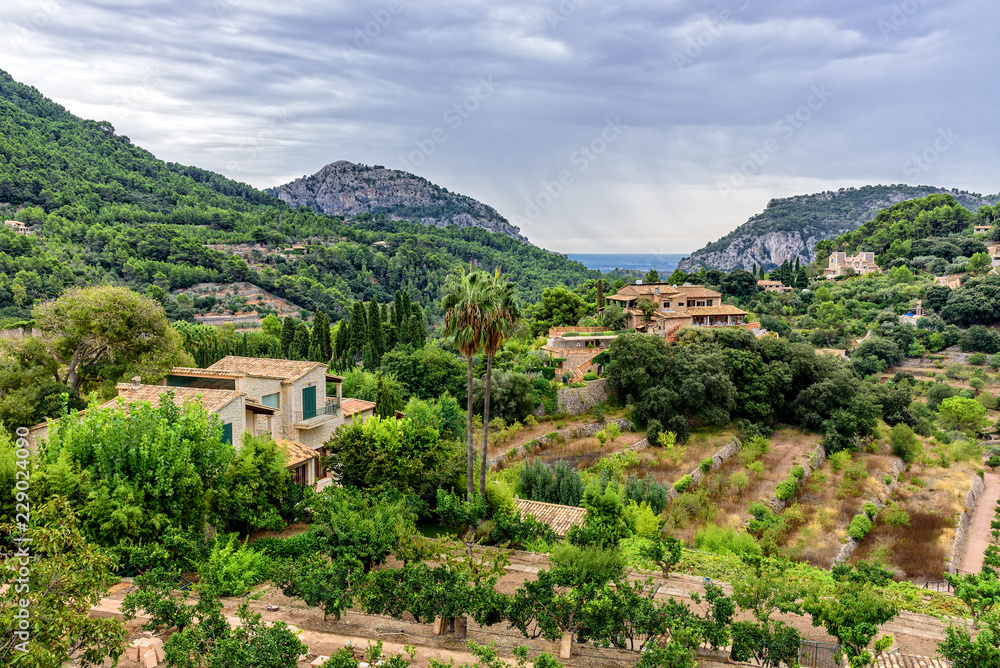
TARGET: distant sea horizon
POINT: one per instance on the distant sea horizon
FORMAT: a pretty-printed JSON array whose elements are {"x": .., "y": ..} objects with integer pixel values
[{"x": 663, "y": 263}]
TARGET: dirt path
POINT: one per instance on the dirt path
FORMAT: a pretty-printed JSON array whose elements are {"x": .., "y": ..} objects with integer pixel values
[{"x": 979, "y": 529}]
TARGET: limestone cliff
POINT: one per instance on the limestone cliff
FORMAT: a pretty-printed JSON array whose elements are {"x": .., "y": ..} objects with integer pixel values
[
  {"x": 348, "y": 189},
  {"x": 790, "y": 227}
]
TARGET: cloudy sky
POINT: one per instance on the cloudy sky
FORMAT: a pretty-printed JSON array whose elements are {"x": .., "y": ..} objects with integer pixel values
[{"x": 630, "y": 126}]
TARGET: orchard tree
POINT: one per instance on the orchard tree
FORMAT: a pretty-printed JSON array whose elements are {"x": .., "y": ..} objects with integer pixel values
[
  {"x": 965, "y": 652},
  {"x": 50, "y": 623}
]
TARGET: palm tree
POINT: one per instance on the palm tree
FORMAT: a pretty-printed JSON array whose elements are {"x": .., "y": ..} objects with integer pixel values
[
  {"x": 504, "y": 314},
  {"x": 466, "y": 307}
]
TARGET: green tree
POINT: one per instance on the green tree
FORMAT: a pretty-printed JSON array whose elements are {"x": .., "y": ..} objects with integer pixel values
[
  {"x": 965, "y": 652},
  {"x": 677, "y": 278},
  {"x": 979, "y": 591},
  {"x": 107, "y": 332},
  {"x": 961, "y": 414},
  {"x": 67, "y": 578},
  {"x": 605, "y": 522},
  {"x": 652, "y": 276},
  {"x": 425, "y": 372},
  {"x": 288, "y": 328},
  {"x": 257, "y": 487},
  {"x": 383, "y": 454},
  {"x": 648, "y": 308},
  {"x": 388, "y": 399},
  {"x": 137, "y": 470},
  {"x": 613, "y": 317},
  {"x": 855, "y": 609},
  {"x": 739, "y": 283},
  {"x": 559, "y": 307},
  {"x": 330, "y": 584},
  {"x": 353, "y": 523},
  {"x": 466, "y": 307},
  {"x": 271, "y": 324}
]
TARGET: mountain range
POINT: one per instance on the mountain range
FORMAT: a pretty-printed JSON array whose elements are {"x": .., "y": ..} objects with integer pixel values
[{"x": 790, "y": 227}]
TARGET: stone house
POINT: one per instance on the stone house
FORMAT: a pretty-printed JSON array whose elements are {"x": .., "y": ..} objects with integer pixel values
[
  {"x": 774, "y": 286},
  {"x": 677, "y": 306},
  {"x": 574, "y": 351},
  {"x": 841, "y": 263},
  {"x": 981, "y": 229},
  {"x": 285, "y": 398},
  {"x": 18, "y": 227}
]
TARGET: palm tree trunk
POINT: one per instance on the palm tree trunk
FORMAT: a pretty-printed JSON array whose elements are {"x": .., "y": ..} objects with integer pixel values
[
  {"x": 471, "y": 449},
  {"x": 486, "y": 425}
]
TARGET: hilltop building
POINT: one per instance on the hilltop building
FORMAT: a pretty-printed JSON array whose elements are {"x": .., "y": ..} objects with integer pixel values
[
  {"x": 18, "y": 227},
  {"x": 981, "y": 229},
  {"x": 677, "y": 307},
  {"x": 841, "y": 264}
]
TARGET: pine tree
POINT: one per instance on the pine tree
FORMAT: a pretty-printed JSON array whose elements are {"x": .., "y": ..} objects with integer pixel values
[
  {"x": 368, "y": 359},
  {"x": 340, "y": 345},
  {"x": 287, "y": 336}
]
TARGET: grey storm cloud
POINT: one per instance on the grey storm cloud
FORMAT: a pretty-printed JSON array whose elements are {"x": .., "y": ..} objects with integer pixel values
[{"x": 637, "y": 126}]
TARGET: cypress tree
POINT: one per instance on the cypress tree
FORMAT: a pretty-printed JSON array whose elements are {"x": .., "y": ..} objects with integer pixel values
[
  {"x": 376, "y": 335},
  {"x": 600, "y": 293},
  {"x": 418, "y": 331},
  {"x": 300, "y": 346},
  {"x": 322, "y": 324},
  {"x": 287, "y": 336},
  {"x": 405, "y": 333},
  {"x": 397, "y": 310},
  {"x": 359, "y": 332}
]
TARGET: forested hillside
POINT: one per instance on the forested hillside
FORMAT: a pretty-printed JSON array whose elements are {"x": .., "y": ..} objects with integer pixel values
[
  {"x": 789, "y": 228},
  {"x": 102, "y": 209}
]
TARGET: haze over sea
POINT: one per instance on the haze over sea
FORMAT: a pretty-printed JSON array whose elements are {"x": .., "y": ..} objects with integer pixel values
[{"x": 663, "y": 263}]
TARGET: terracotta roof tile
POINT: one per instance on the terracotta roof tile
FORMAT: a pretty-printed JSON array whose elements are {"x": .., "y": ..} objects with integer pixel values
[
  {"x": 295, "y": 452},
  {"x": 698, "y": 292},
  {"x": 725, "y": 309},
  {"x": 212, "y": 400},
  {"x": 559, "y": 518},
  {"x": 269, "y": 368},
  {"x": 352, "y": 406}
]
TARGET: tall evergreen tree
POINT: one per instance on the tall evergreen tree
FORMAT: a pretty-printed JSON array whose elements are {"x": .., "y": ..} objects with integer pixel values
[
  {"x": 405, "y": 333},
  {"x": 323, "y": 323},
  {"x": 287, "y": 336},
  {"x": 418, "y": 329},
  {"x": 359, "y": 332},
  {"x": 316, "y": 340},
  {"x": 600, "y": 293},
  {"x": 376, "y": 334},
  {"x": 300, "y": 346},
  {"x": 340, "y": 345}
]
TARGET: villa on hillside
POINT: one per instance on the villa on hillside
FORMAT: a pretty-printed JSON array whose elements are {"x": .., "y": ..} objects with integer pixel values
[
  {"x": 573, "y": 349},
  {"x": 841, "y": 264},
  {"x": 774, "y": 286},
  {"x": 677, "y": 306},
  {"x": 253, "y": 396},
  {"x": 994, "y": 251},
  {"x": 981, "y": 229},
  {"x": 17, "y": 226},
  {"x": 951, "y": 281}
]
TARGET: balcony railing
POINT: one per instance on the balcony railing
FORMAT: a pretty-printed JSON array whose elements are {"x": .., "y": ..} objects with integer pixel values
[{"x": 332, "y": 407}]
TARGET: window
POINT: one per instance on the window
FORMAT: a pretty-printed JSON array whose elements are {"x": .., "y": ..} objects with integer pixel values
[
  {"x": 227, "y": 433},
  {"x": 709, "y": 302},
  {"x": 308, "y": 402},
  {"x": 271, "y": 400}
]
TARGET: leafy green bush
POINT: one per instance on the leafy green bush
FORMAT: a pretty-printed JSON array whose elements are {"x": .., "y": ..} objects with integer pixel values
[
  {"x": 839, "y": 459},
  {"x": 904, "y": 443},
  {"x": 722, "y": 540},
  {"x": 590, "y": 375},
  {"x": 293, "y": 547},
  {"x": 647, "y": 490},
  {"x": 887, "y": 479},
  {"x": 653, "y": 429},
  {"x": 552, "y": 484},
  {"x": 798, "y": 472},
  {"x": 706, "y": 465},
  {"x": 978, "y": 359},
  {"x": 895, "y": 516},
  {"x": 870, "y": 509},
  {"x": 684, "y": 484},
  {"x": 753, "y": 448},
  {"x": 738, "y": 481},
  {"x": 232, "y": 569},
  {"x": 860, "y": 526},
  {"x": 786, "y": 488}
]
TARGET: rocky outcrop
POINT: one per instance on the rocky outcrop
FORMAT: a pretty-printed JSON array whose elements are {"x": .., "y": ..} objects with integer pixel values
[
  {"x": 347, "y": 189},
  {"x": 789, "y": 228}
]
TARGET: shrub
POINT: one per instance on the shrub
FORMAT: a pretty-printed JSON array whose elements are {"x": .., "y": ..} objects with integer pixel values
[
  {"x": 612, "y": 430},
  {"x": 887, "y": 479},
  {"x": 232, "y": 569},
  {"x": 870, "y": 509},
  {"x": 798, "y": 472},
  {"x": 647, "y": 491},
  {"x": 294, "y": 547},
  {"x": 993, "y": 462},
  {"x": 722, "y": 540},
  {"x": 839, "y": 459},
  {"x": 738, "y": 481},
  {"x": 754, "y": 448},
  {"x": 653, "y": 429},
  {"x": 978, "y": 359},
  {"x": 904, "y": 443},
  {"x": 763, "y": 518},
  {"x": 684, "y": 484},
  {"x": 552, "y": 484},
  {"x": 590, "y": 375},
  {"x": 860, "y": 526},
  {"x": 757, "y": 468},
  {"x": 895, "y": 516},
  {"x": 706, "y": 465},
  {"x": 786, "y": 488},
  {"x": 531, "y": 421},
  {"x": 601, "y": 437}
]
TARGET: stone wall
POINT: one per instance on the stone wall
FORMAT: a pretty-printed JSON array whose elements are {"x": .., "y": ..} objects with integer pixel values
[
  {"x": 964, "y": 522},
  {"x": 718, "y": 459},
  {"x": 567, "y": 434},
  {"x": 576, "y": 400},
  {"x": 898, "y": 466},
  {"x": 18, "y": 333},
  {"x": 814, "y": 461}
]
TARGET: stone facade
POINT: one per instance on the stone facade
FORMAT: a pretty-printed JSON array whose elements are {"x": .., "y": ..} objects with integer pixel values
[{"x": 576, "y": 400}]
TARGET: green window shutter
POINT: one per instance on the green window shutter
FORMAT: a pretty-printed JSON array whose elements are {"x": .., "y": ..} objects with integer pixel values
[
  {"x": 227, "y": 433},
  {"x": 308, "y": 402}
]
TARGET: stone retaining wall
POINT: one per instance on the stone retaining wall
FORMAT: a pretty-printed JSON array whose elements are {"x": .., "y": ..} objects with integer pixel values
[
  {"x": 718, "y": 459},
  {"x": 566, "y": 434},
  {"x": 577, "y": 400},
  {"x": 814, "y": 461},
  {"x": 898, "y": 466},
  {"x": 964, "y": 522}
]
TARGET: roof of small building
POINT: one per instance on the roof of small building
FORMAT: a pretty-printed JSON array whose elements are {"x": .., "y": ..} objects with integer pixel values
[
  {"x": 697, "y": 291},
  {"x": 287, "y": 370},
  {"x": 212, "y": 400},
  {"x": 295, "y": 452},
  {"x": 352, "y": 406},
  {"x": 559, "y": 518}
]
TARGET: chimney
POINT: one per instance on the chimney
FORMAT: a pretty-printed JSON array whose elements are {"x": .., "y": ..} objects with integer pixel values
[{"x": 136, "y": 380}]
